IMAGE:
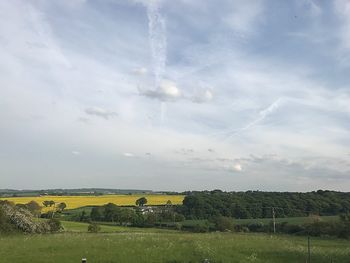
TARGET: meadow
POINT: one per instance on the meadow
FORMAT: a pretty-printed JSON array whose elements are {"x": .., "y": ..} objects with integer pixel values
[
  {"x": 291, "y": 220},
  {"x": 73, "y": 202},
  {"x": 123, "y": 244}
]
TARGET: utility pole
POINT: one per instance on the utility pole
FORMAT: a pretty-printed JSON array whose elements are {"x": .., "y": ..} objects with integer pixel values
[{"x": 274, "y": 220}]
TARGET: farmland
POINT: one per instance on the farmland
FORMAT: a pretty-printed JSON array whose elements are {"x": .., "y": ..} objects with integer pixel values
[
  {"x": 122, "y": 244},
  {"x": 73, "y": 202}
]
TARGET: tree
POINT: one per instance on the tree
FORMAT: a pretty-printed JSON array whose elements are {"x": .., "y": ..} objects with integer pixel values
[
  {"x": 34, "y": 208},
  {"x": 83, "y": 217},
  {"x": 126, "y": 215},
  {"x": 168, "y": 203},
  {"x": 51, "y": 203},
  {"x": 46, "y": 203},
  {"x": 141, "y": 201},
  {"x": 61, "y": 206},
  {"x": 111, "y": 212},
  {"x": 97, "y": 213}
]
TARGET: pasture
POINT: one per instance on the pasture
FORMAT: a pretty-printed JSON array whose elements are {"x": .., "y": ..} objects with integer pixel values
[
  {"x": 290, "y": 220},
  {"x": 73, "y": 202},
  {"x": 120, "y": 244}
]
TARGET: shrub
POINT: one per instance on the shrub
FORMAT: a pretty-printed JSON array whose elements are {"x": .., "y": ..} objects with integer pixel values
[
  {"x": 258, "y": 227},
  {"x": 54, "y": 225},
  {"x": 223, "y": 223},
  {"x": 5, "y": 226},
  {"x": 201, "y": 228},
  {"x": 241, "y": 228},
  {"x": 179, "y": 217},
  {"x": 94, "y": 228},
  {"x": 178, "y": 226}
]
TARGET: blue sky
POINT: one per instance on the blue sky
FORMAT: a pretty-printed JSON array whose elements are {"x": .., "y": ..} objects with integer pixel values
[{"x": 175, "y": 95}]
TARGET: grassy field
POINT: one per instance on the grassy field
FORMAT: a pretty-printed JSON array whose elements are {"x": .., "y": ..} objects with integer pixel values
[
  {"x": 290, "y": 220},
  {"x": 74, "y": 227},
  {"x": 80, "y": 201},
  {"x": 120, "y": 244}
]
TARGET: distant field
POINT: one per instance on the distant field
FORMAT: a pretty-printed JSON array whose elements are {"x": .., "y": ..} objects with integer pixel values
[
  {"x": 73, "y": 202},
  {"x": 133, "y": 245}
]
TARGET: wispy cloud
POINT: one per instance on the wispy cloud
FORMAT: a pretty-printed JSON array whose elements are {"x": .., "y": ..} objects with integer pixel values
[
  {"x": 342, "y": 9},
  {"x": 272, "y": 84},
  {"x": 100, "y": 112},
  {"x": 167, "y": 91},
  {"x": 129, "y": 155},
  {"x": 202, "y": 96},
  {"x": 244, "y": 16},
  {"x": 140, "y": 71}
]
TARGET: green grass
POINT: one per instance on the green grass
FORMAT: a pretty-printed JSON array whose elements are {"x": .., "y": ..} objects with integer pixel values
[
  {"x": 141, "y": 247},
  {"x": 70, "y": 226},
  {"x": 290, "y": 220}
]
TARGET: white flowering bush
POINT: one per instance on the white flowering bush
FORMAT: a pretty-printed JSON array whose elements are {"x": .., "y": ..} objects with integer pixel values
[{"x": 23, "y": 220}]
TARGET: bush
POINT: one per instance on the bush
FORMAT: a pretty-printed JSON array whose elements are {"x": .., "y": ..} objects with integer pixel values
[
  {"x": 54, "y": 225},
  {"x": 49, "y": 214},
  {"x": 258, "y": 227},
  {"x": 241, "y": 228},
  {"x": 290, "y": 228},
  {"x": 178, "y": 226},
  {"x": 201, "y": 228},
  {"x": 5, "y": 226},
  {"x": 223, "y": 223},
  {"x": 179, "y": 217},
  {"x": 94, "y": 228}
]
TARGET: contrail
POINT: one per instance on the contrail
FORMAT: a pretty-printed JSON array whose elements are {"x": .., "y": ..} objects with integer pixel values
[
  {"x": 158, "y": 44},
  {"x": 157, "y": 39},
  {"x": 262, "y": 115}
]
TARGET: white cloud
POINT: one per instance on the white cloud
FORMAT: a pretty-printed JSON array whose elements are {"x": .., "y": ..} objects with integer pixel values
[
  {"x": 167, "y": 91},
  {"x": 56, "y": 66},
  {"x": 140, "y": 71},
  {"x": 237, "y": 167},
  {"x": 100, "y": 112},
  {"x": 202, "y": 96}
]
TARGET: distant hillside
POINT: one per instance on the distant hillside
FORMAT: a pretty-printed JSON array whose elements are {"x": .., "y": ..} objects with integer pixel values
[{"x": 77, "y": 191}]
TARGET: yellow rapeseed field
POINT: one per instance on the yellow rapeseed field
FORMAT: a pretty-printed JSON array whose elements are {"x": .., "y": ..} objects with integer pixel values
[{"x": 80, "y": 201}]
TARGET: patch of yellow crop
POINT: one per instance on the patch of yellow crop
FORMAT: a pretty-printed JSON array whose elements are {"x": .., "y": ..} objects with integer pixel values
[{"x": 80, "y": 201}]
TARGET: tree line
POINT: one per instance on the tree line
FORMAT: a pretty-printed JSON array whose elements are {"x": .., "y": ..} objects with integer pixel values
[{"x": 256, "y": 204}]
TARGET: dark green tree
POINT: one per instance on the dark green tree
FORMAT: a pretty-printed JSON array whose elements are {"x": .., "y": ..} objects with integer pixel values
[
  {"x": 141, "y": 201},
  {"x": 61, "y": 206}
]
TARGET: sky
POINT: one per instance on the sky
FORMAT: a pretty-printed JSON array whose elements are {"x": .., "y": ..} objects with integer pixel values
[{"x": 175, "y": 95}]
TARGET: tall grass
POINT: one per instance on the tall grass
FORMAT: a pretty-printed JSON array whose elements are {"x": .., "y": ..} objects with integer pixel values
[{"x": 169, "y": 247}]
